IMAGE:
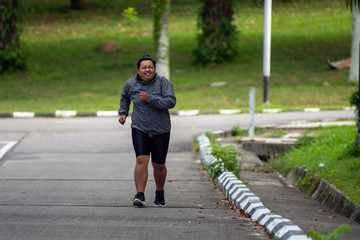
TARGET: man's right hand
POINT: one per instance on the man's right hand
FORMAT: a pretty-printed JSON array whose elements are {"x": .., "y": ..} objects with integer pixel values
[{"x": 122, "y": 119}]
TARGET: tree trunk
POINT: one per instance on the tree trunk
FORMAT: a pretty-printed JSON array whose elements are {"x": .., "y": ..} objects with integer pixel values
[
  {"x": 77, "y": 4},
  {"x": 8, "y": 27},
  {"x": 354, "y": 67},
  {"x": 10, "y": 56},
  {"x": 218, "y": 40},
  {"x": 161, "y": 25}
]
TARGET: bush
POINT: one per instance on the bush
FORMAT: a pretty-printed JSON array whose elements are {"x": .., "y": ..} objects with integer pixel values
[
  {"x": 238, "y": 131},
  {"x": 354, "y": 100},
  {"x": 227, "y": 160}
]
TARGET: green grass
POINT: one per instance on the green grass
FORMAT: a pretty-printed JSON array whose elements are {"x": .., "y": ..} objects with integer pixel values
[
  {"x": 67, "y": 71},
  {"x": 332, "y": 156},
  {"x": 276, "y": 134}
]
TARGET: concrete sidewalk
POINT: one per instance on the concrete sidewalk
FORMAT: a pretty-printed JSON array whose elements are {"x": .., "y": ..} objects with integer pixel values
[{"x": 288, "y": 201}]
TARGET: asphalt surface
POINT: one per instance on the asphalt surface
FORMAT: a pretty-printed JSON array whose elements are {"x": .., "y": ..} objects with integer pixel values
[{"x": 71, "y": 178}]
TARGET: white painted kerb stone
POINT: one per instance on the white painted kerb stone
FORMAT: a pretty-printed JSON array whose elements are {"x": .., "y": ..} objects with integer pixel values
[
  {"x": 107, "y": 114},
  {"x": 23, "y": 114},
  {"x": 64, "y": 113}
]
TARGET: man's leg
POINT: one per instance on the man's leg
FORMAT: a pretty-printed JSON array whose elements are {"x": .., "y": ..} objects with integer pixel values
[
  {"x": 160, "y": 145},
  {"x": 159, "y": 175},
  {"x": 141, "y": 172}
]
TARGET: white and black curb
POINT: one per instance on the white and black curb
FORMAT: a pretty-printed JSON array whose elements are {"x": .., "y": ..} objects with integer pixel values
[
  {"x": 241, "y": 196},
  {"x": 72, "y": 113},
  {"x": 189, "y": 112},
  {"x": 65, "y": 113},
  {"x": 23, "y": 114},
  {"x": 107, "y": 114}
]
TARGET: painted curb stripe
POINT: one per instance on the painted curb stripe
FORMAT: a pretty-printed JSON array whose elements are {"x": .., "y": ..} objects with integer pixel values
[
  {"x": 252, "y": 205},
  {"x": 189, "y": 112},
  {"x": 241, "y": 196},
  {"x": 233, "y": 187},
  {"x": 64, "y": 113},
  {"x": 229, "y": 111},
  {"x": 274, "y": 110},
  {"x": 295, "y": 235},
  {"x": 312, "y": 110},
  {"x": 277, "y": 222},
  {"x": 282, "y": 232},
  {"x": 237, "y": 194},
  {"x": 107, "y": 114},
  {"x": 23, "y": 114},
  {"x": 267, "y": 217},
  {"x": 285, "y": 227},
  {"x": 247, "y": 199},
  {"x": 259, "y": 213},
  {"x": 228, "y": 182}
]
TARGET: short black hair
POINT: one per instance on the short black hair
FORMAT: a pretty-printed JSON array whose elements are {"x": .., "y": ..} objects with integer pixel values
[{"x": 143, "y": 58}]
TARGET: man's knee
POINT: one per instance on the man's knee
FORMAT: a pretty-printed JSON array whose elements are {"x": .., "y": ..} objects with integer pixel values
[
  {"x": 159, "y": 167},
  {"x": 142, "y": 159}
]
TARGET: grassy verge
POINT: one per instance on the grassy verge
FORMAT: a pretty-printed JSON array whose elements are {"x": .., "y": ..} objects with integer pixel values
[
  {"x": 332, "y": 156},
  {"x": 67, "y": 71}
]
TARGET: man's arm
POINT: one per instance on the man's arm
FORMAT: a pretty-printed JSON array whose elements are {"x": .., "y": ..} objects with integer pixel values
[
  {"x": 124, "y": 104},
  {"x": 168, "y": 99}
]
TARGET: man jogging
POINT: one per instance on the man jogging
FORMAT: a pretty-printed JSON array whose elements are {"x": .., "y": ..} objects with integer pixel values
[{"x": 152, "y": 96}]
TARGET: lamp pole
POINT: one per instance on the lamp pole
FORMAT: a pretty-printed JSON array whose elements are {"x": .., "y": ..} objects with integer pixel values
[{"x": 267, "y": 48}]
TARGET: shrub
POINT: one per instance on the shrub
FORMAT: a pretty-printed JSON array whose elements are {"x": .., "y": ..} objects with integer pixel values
[
  {"x": 354, "y": 100},
  {"x": 227, "y": 160}
]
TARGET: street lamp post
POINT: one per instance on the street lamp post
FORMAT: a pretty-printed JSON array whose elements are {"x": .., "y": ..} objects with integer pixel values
[{"x": 267, "y": 48}]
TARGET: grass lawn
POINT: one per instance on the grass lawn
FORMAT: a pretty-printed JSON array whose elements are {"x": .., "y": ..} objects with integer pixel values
[
  {"x": 67, "y": 71},
  {"x": 331, "y": 156}
]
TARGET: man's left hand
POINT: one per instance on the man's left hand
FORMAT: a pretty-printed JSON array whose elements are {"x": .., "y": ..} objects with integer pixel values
[{"x": 144, "y": 96}]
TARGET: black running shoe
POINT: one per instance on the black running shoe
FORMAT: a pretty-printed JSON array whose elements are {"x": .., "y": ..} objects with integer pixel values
[
  {"x": 159, "y": 198},
  {"x": 139, "y": 200}
]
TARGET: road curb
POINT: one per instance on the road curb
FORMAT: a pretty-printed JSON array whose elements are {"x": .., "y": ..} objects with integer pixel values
[
  {"x": 241, "y": 196},
  {"x": 73, "y": 113}
]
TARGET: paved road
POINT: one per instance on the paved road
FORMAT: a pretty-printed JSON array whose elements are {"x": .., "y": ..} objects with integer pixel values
[{"x": 72, "y": 179}]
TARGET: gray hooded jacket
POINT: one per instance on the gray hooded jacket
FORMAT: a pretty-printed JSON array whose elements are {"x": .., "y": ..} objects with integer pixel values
[{"x": 153, "y": 116}]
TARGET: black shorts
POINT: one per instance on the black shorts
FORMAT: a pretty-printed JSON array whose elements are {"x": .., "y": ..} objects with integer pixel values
[{"x": 157, "y": 145}]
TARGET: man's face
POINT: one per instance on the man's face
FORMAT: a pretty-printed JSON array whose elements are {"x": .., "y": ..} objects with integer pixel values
[{"x": 147, "y": 70}]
